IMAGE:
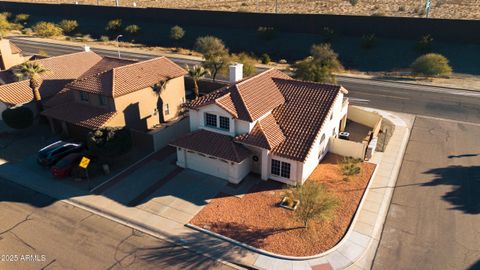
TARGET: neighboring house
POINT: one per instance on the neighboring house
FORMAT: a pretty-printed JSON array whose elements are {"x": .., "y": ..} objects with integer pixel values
[
  {"x": 10, "y": 55},
  {"x": 269, "y": 124},
  {"x": 119, "y": 93}
]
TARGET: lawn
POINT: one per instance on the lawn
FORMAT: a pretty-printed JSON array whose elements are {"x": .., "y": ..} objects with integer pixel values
[{"x": 257, "y": 220}]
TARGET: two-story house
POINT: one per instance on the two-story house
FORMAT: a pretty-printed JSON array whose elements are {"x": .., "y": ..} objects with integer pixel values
[
  {"x": 269, "y": 124},
  {"x": 117, "y": 93}
]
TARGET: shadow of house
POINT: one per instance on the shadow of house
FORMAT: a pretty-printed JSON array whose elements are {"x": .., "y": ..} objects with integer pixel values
[
  {"x": 161, "y": 118},
  {"x": 133, "y": 119},
  {"x": 466, "y": 187}
]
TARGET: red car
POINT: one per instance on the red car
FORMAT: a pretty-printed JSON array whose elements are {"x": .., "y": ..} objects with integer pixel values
[{"x": 64, "y": 166}]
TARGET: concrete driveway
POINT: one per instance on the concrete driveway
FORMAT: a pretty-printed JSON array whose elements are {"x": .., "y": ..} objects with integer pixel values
[{"x": 434, "y": 217}]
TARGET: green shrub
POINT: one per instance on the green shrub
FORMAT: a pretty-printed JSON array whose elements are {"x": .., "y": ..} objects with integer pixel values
[
  {"x": 114, "y": 25},
  {"x": 316, "y": 203},
  {"x": 266, "y": 32},
  {"x": 248, "y": 62},
  {"x": 22, "y": 18},
  {"x": 431, "y": 65},
  {"x": 18, "y": 117},
  {"x": 265, "y": 58},
  {"x": 5, "y": 26},
  {"x": 319, "y": 67},
  {"x": 424, "y": 44},
  {"x": 47, "y": 29},
  {"x": 104, "y": 39},
  {"x": 369, "y": 41},
  {"x": 109, "y": 142},
  {"x": 68, "y": 26},
  {"x": 176, "y": 33},
  {"x": 132, "y": 29},
  {"x": 350, "y": 167},
  {"x": 27, "y": 31}
]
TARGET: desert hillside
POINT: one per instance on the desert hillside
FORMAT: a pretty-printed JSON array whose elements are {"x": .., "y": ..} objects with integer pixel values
[{"x": 451, "y": 9}]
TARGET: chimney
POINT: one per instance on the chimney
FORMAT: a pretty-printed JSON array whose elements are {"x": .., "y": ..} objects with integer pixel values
[
  {"x": 86, "y": 48},
  {"x": 235, "y": 72}
]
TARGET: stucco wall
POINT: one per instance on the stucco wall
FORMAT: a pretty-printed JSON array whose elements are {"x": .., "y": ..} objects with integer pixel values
[
  {"x": 174, "y": 96},
  {"x": 370, "y": 119},
  {"x": 8, "y": 58},
  {"x": 137, "y": 110},
  {"x": 197, "y": 119},
  {"x": 348, "y": 148},
  {"x": 167, "y": 133}
]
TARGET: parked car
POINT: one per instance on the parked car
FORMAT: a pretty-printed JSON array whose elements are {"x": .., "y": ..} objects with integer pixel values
[
  {"x": 50, "y": 154},
  {"x": 64, "y": 166}
]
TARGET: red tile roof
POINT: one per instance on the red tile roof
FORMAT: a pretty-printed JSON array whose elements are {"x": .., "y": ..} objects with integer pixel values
[
  {"x": 265, "y": 134},
  {"x": 223, "y": 148},
  {"x": 14, "y": 48},
  {"x": 80, "y": 114},
  {"x": 243, "y": 100},
  {"x": 16, "y": 93},
  {"x": 120, "y": 77}
]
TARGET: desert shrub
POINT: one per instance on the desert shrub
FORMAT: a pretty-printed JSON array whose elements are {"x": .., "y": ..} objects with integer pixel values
[
  {"x": 318, "y": 67},
  {"x": 18, "y": 117},
  {"x": 350, "y": 167},
  {"x": 266, "y": 32},
  {"x": 431, "y": 65},
  {"x": 378, "y": 14},
  {"x": 114, "y": 25},
  {"x": 424, "y": 44},
  {"x": 401, "y": 8},
  {"x": 265, "y": 58},
  {"x": 327, "y": 34},
  {"x": 369, "y": 41},
  {"x": 42, "y": 53},
  {"x": 5, "y": 26},
  {"x": 22, "y": 18},
  {"x": 353, "y": 2},
  {"x": 109, "y": 142},
  {"x": 316, "y": 203},
  {"x": 104, "y": 39},
  {"x": 132, "y": 29},
  {"x": 176, "y": 33},
  {"x": 68, "y": 26},
  {"x": 47, "y": 29},
  {"x": 215, "y": 53},
  {"x": 248, "y": 62},
  {"x": 6, "y": 14},
  {"x": 27, "y": 31}
]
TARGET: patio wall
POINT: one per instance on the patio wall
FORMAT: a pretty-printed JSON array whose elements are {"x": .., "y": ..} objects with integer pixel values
[
  {"x": 348, "y": 148},
  {"x": 168, "y": 132},
  {"x": 369, "y": 119}
]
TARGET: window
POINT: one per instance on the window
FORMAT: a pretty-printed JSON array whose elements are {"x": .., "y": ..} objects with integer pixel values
[
  {"x": 322, "y": 139},
  {"x": 333, "y": 132},
  {"x": 102, "y": 99},
  {"x": 224, "y": 123},
  {"x": 83, "y": 96},
  {"x": 210, "y": 120},
  {"x": 275, "y": 167},
  {"x": 167, "y": 109},
  {"x": 331, "y": 116},
  {"x": 280, "y": 168}
]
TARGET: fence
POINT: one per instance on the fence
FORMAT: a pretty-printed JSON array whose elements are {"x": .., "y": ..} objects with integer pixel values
[{"x": 169, "y": 132}]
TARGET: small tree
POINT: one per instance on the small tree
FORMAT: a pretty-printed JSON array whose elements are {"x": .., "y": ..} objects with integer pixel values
[
  {"x": 316, "y": 203},
  {"x": 47, "y": 29},
  {"x": 266, "y": 32},
  {"x": 22, "y": 18},
  {"x": 197, "y": 72},
  {"x": 215, "y": 54},
  {"x": 320, "y": 66},
  {"x": 132, "y": 29},
  {"x": 32, "y": 71},
  {"x": 431, "y": 65},
  {"x": 114, "y": 26},
  {"x": 248, "y": 62},
  {"x": 176, "y": 33},
  {"x": 18, "y": 117},
  {"x": 265, "y": 58},
  {"x": 349, "y": 167},
  {"x": 68, "y": 26},
  {"x": 109, "y": 142},
  {"x": 5, "y": 26}
]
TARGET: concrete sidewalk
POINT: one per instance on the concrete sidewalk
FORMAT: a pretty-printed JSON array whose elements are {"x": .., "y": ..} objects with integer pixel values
[{"x": 355, "y": 251}]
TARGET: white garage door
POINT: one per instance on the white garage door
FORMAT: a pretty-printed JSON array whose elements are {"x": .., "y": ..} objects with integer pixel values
[{"x": 207, "y": 165}]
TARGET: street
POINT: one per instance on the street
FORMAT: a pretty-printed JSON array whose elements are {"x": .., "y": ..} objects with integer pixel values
[
  {"x": 60, "y": 236},
  {"x": 434, "y": 217}
]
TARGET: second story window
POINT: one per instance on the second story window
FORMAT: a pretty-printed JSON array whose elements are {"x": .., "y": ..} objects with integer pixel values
[
  {"x": 102, "y": 100},
  {"x": 224, "y": 123},
  {"x": 167, "y": 109},
  {"x": 84, "y": 96},
  {"x": 210, "y": 120}
]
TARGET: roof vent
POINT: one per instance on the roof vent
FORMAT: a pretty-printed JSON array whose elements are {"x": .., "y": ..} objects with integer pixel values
[
  {"x": 235, "y": 72},
  {"x": 86, "y": 48}
]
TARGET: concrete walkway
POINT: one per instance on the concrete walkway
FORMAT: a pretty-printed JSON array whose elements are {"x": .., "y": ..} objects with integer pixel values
[{"x": 355, "y": 251}]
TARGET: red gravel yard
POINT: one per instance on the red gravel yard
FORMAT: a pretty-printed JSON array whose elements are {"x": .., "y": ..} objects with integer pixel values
[{"x": 257, "y": 220}]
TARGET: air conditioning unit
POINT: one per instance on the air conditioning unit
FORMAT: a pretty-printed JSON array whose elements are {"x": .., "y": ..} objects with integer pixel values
[{"x": 344, "y": 135}]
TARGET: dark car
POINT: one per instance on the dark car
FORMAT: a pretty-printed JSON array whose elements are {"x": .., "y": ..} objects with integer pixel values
[
  {"x": 64, "y": 166},
  {"x": 50, "y": 154}
]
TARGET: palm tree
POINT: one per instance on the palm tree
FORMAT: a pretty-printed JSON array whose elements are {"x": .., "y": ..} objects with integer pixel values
[
  {"x": 197, "y": 72},
  {"x": 32, "y": 70}
]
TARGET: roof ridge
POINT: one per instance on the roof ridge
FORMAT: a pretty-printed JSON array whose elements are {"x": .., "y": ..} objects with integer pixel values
[
  {"x": 254, "y": 76},
  {"x": 142, "y": 62},
  {"x": 113, "y": 82},
  {"x": 309, "y": 82},
  {"x": 65, "y": 55}
]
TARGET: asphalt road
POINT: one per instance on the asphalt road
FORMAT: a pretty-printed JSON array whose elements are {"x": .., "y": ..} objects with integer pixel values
[
  {"x": 434, "y": 217},
  {"x": 60, "y": 236},
  {"x": 439, "y": 102}
]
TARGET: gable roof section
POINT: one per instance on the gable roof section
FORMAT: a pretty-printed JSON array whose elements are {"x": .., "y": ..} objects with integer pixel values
[
  {"x": 265, "y": 134},
  {"x": 16, "y": 93},
  {"x": 248, "y": 99},
  {"x": 115, "y": 77},
  {"x": 301, "y": 117},
  {"x": 224, "y": 147}
]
